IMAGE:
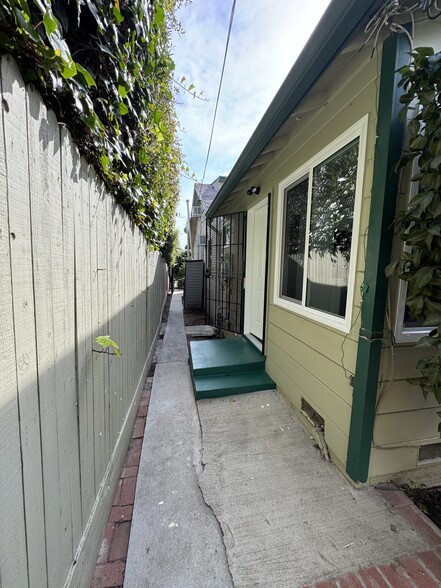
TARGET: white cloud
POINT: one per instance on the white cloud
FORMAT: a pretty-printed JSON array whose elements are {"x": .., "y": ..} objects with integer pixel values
[{"x": 266, "y": 38}]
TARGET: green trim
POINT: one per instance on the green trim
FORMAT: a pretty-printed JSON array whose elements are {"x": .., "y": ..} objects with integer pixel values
[
  {"x": 384, "y": 190},
  {"x": 338, "y": 23}
]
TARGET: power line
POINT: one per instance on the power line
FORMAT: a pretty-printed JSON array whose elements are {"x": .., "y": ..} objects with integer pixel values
[{"x": 220, "y": 86}]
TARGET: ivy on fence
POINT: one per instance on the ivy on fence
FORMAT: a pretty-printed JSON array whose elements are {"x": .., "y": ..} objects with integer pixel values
[{"x": 105, "y": 69}]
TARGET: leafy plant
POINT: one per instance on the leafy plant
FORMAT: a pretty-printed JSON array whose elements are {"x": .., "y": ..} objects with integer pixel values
[
  {"x": 105, "y": 68},
  {"x": 170, "y": 251},
  {"x": 179, "y": 269},
  {"x": 419, "y": 226},
  {"x": 105, "y": 341}
]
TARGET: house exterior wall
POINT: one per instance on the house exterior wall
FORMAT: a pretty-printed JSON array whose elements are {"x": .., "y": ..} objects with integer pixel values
[
  {"x": 197, "y": 228},
  {"x": 198, "y": 250},
  {"x": 308, "y": 359},
  {"x": 203, "y": 195},
  {"x": 404, "y": 419}
]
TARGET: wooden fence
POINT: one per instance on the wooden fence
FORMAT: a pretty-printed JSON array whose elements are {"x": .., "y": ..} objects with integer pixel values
[{"x": 72, "y": 267}]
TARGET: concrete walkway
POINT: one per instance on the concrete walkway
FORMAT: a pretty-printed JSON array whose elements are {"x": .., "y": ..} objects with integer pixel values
[
  {"x": 175, "y": 540},
  {"x": 250, "y": 502}
]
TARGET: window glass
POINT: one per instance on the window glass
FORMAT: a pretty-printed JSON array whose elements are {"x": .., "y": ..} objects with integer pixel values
[
  {"x": 330, "y": 232},
  {"x": 319, "y": 251},
  {"x": 409, "y": 320},
  {"x": 318, "y": 218},
  {"x": 296, "y": 206}
]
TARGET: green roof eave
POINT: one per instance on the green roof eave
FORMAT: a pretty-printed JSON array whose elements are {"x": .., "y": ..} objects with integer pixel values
[{"x": 340, "y": 20}]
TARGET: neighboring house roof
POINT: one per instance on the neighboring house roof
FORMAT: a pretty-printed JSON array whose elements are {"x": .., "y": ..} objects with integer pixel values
[
  {"x": 203, "y": 196},
  {"x": 338, "y": 23},
  {"x": 206, "y": 193}
]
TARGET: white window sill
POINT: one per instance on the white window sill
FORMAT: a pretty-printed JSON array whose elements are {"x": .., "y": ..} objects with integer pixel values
[{"x": 340, "y": 324}]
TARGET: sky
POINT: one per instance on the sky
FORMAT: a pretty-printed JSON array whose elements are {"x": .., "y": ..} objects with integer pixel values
[{"x": 266, "y": 38}]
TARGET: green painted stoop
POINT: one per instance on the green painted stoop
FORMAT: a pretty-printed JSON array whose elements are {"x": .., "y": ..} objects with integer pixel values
[{"x": 222, "y": 367}]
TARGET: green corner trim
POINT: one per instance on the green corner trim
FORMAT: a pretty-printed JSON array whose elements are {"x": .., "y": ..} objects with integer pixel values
[{"x": 384, "y": 193}]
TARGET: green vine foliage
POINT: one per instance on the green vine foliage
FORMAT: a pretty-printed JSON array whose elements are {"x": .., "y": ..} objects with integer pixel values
[
  {"x": 105, "y": 68},
  {"x": 170, "y": 248},
  {"x": 419, "y": 226}
]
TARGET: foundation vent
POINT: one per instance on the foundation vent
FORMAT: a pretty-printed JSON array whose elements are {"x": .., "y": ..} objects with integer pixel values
[
  {"x": 430, "y": 452},
  {"x": 312, "y": 415},
  {"x": 318, "y": 424}
]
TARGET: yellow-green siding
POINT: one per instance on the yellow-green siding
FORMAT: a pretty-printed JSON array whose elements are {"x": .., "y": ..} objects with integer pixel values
[{"x": 306, "y": 358}]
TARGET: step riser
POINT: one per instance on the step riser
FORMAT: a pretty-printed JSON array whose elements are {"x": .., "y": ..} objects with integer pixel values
[
  {"x": 228, "y": 369},
  {"x": 230, "y": 384},
  {"x": 220, "y": 393}
]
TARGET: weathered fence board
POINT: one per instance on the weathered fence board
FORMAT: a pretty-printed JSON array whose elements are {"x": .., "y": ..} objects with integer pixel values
[
  {"x": 53, "y": 173},
  {"x": 98, "y": 359},
  {"x": 83, "y": 342},
  {"x": 46, "y": 271},
  {"x": 16, "y": 141},
  {"x": 69, "y": 178},
  {"x": 114, "y": 328},
  {"x": 72, "y": 267},
  {"x": 12, "y": 537}
]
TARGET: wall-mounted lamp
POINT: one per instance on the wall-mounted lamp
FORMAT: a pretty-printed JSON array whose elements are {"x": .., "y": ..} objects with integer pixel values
[{"x": 253, "y": 190}]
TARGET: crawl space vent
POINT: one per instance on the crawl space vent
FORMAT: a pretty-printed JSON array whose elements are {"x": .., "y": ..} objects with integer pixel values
[
  {"x": 429, "y": 452},
  {"x": 312, "y": 415}
]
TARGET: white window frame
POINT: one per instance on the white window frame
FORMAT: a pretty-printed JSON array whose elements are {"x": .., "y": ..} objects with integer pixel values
[
  {"x": 402, "y": 334},
  {"x": 356, "y": 131}
]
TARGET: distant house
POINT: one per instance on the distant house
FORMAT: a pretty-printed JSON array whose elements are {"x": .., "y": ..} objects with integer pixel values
[
  {"x": 301, "y": 232},
  {"x": 203, "y": 196}
]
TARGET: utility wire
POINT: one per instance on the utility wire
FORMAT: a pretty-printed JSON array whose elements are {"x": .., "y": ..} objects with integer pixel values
[{"x": 220, "y": 86}]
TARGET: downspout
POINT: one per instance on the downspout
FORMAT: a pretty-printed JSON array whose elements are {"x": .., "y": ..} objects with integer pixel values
[{"x": 374, "y": 288}]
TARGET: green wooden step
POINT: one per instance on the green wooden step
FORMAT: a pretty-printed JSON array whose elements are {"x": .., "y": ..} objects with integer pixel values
[
  {"x": 220, "y": 356},
  {"x": 215, "y": 386}
]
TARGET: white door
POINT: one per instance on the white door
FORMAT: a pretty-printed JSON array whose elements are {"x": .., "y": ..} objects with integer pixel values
[{"x": 255, "y": 273}]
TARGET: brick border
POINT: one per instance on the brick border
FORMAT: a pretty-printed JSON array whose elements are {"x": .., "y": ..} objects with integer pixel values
[
  {"x": 413, "y": 515},
  {"x": 111, "y": 564},
  {"x": 422, "y": 570}
]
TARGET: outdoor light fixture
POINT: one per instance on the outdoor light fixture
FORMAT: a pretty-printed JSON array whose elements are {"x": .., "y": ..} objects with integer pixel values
[{"x": 253, "y": 190}]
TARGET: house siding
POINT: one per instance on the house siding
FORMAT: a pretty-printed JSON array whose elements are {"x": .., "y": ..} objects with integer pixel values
[
  {"x": 403, "y": 415},
  {"x": 311, "y": 361},
  {"x": 306, "y": 358}
]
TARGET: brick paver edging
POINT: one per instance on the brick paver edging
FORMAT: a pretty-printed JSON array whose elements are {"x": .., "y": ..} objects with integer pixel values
[
  {"x": 111, "y": 564},
  {"x": 422, "y": 570}
]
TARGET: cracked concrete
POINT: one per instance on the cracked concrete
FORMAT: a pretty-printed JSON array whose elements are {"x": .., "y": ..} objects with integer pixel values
[
  {"x": 175, "y": 540},
  {"x": 236, "y": 495},
  {"x": 221, "y": 528},
  {"x": 222, "y": 524},
  {"x": 292, "y": 518}
]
